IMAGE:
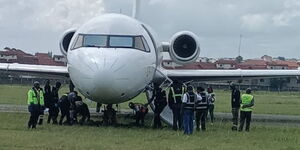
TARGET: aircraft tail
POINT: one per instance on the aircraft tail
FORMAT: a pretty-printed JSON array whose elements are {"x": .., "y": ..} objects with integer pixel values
[{"x": 136, "y": 9}]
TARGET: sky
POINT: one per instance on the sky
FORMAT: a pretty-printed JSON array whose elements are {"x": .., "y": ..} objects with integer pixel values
[{"x": 267, "y": 26}]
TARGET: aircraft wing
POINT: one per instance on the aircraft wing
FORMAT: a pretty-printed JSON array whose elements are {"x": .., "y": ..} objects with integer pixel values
[
  {"x": 208, "y": 75},
  {"x": 35, "y": 69}
]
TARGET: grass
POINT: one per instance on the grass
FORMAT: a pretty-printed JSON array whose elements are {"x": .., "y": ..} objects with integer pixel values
[
  {"x": 15, "y": 136},
  {"x": 284, "y": 103}
]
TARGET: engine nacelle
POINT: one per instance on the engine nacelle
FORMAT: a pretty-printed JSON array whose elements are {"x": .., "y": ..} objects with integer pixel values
[
  {"x": 184, "y": 47},
  {"x": 64, "y": 43}
]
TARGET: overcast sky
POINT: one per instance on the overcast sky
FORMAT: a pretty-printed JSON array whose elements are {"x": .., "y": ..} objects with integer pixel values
[{"x": 269, "y": 27}]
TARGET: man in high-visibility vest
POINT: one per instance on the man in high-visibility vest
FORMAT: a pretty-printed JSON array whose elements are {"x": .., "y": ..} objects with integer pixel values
[
  {"x": 175, "y": 101},
  {"x": 189, "y": 100},
  {"x": 247, "y": 103},
  {"x": 35, "y": 101},
  {"x": 201, "y": 109}
]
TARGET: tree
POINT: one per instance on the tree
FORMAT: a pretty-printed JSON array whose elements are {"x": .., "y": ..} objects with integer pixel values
[
  {"x": 50, "y": 54},
  {"x": 281, "y": 58},
  {"x": 239, "y": 59}
]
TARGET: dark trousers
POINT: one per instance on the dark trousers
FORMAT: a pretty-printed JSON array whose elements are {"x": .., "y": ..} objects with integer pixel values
[
  {"x": 235, "y": 118},
  {"x": 98, "y": 107},
  {"x": 200, "y": 119},
  {"x": 65, "y": 113},
  {"x": 53, "y": 114},
  {"x": 177, "y": 118},
  {"x": 140, "y": 118},
  {"x": 157, "y": 112},
  {"x": 188, "y": 118},
  {"x": 245, "y": 115},
  {"x": 210, "y": 110},
  {"x": 34, "y": 115}
]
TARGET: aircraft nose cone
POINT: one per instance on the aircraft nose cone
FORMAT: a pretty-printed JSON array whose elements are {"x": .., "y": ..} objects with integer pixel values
[{"x": 108, "y": 87}]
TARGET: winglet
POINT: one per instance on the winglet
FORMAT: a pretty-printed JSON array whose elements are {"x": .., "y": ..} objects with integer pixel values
[{"x": 136, "y": 9}]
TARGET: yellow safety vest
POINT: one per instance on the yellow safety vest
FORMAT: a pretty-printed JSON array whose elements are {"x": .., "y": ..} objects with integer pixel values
[
  {"x": 33, "y": 99},
  {"x": 246, "y": 99},
  {"x": 177, "y": 95}
]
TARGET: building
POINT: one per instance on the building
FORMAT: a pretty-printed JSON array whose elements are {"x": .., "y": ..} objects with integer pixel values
[
  {"x": 226, "y": 64},
  {"x": 12, "y": 55}
]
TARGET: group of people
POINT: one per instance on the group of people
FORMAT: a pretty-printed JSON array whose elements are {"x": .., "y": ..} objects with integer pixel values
[
  {"x": 195, "y": 105},
  {"x": 242, "y": 105},
  {"x": 185, "y": 102},
  {"x": 189, "y": 104},
  {"x": 70, "y": 105}
]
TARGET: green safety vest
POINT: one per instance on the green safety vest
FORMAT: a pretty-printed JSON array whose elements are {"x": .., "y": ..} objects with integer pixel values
[
  {"x": 246, "y": 99},
  {"x": 33, "y": 99},
  {"x": 177, "y": 95}
]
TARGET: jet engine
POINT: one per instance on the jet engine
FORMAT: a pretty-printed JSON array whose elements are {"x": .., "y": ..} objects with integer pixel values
[
  {"x": 65, "y": 41},
  {"x": 184, "y": 47}
]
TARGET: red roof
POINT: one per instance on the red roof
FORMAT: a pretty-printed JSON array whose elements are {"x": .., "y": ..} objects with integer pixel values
[
  {"x": 25, "y": 58},
  {"x": 290, "y": 64},
  {"x": 44, "y": 59}
]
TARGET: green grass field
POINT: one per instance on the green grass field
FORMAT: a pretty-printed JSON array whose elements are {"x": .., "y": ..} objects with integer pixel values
[
  {"x": 15, "y": 136},
  {"x": 285, "y": 103}
]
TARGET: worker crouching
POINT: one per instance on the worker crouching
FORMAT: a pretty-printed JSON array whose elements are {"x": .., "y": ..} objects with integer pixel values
[{"x": 140, "y": 112}]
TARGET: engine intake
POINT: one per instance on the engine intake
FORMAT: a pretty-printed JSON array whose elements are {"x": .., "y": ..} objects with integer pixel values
[
  {"x": 64, "y": 43},
  {"x": 184, "y": 47}
]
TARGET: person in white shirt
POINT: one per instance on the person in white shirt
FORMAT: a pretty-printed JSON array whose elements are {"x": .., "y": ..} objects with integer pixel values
[{"x": 189, "y": 100}]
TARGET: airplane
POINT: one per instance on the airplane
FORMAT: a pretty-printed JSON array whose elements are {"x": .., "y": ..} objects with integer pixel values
[{"x": 113, "y": 58}]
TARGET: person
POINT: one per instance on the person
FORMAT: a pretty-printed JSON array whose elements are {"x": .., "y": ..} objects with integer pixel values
[
  {"x": 247, "y": 103},
  {"x": 98, "y": 107},
  {"x": 109, "y": 115},
  {"x": 35, "y": 100},
  {"x": 211, "y": 98},
  {"x": 83, "y": 110},
  {"x": 201, "y": 109},
  {"x": 140, "y": 112},
  {"x": 41, "y": 112},
  {"x": 54, "y": 110},
  {"x": 235, "y": 106},
  {"x": 72, "y": 96},
  {"x": 64, "y": 106},
  {"x": 47, "y": 97},
  {"x": 188, "y": 105},
  {"x": 160, "y": 102},
  {"x": 175, "y": 97}
]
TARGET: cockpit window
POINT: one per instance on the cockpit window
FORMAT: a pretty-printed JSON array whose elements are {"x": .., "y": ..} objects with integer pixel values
[
  {"x": 121, "y": 41},
  {"x": 111, "y": 41},
  {"x": 94, "y": 40}
]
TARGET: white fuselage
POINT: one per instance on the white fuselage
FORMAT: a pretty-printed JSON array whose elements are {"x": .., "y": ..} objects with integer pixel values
[{"x": 112, "y": 75}]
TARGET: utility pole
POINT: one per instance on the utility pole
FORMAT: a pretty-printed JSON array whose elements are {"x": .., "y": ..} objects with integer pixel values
[{"x": 241, "y": 36}]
